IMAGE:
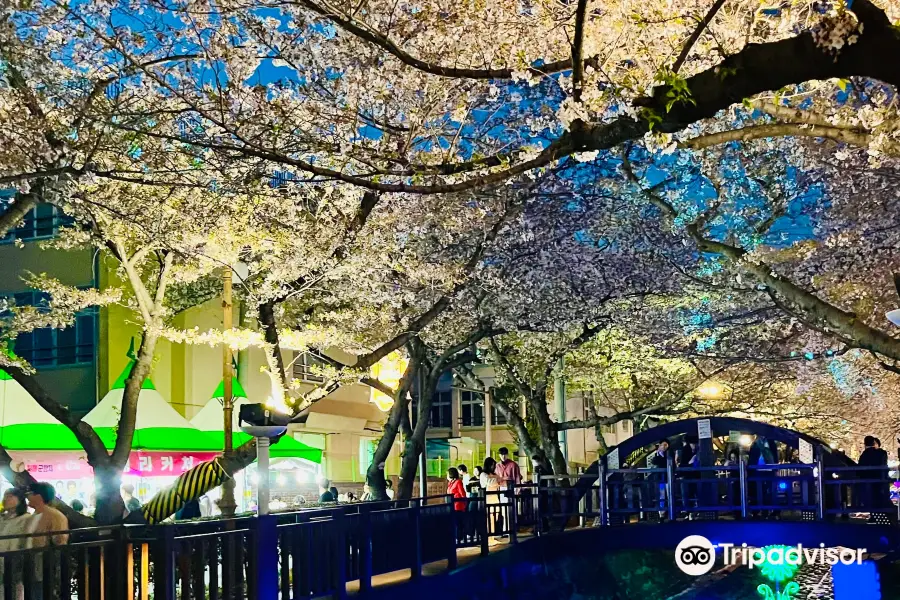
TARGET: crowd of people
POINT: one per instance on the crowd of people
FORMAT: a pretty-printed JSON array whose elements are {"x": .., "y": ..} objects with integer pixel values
[
  {"x": 28, "y": 514},
  {"x": 644, "y": 492}
]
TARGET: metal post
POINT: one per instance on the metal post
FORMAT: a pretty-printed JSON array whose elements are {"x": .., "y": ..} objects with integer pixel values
[
  {"x": 820, "y": 486},
  {"x": 416, "y": 566},
  {"x": 227, "y": 503},
  {"x": 262, "y": 469},
  {"x": 742, "y": 484},
  {"x": 670, "y": 486},
  {"x": 603, "y": 500},
  {"x": 559, "y": 392},
  {"x": 423, "y": 457},
  {"x": 604, "y": 516},
  {"x": 265, "y": 542},
  {"x": 365, "y": 549},
  {"x": 513, "y": 515},
  {"x": 488, "y": 432}
]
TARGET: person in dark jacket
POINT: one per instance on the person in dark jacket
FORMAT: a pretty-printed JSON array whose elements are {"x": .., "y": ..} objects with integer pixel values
[
  {"x": 657, "y": 481},
  {"x": 687, "y": 459},
  {"x": 875, "y": 496},
  {"x": 762, "y": 490},
  {"x": 191, "y": 510}
]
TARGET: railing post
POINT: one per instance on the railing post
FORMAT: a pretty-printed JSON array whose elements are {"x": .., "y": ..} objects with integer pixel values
[
  {"x": 365, "y": 548},
  {"x": 538, "y": 514},
  {"x": 513, "y": 515},
  {"x": 604, "y": 513},
  {"x": 742, "y": 486},
  {"x": 454, "y": 529},
  {"x": 416, "y": 566},
  {"x": 343, "y": 552},
  {"x": 820, "y": 487},
  {"x": 670, "y": 486},
  {"x": 264, "y": 582},
  {"x": 164, "y": 574}
]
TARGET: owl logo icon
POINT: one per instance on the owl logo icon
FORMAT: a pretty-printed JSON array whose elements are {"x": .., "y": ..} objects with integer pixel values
[{"x": 695, "y": 555}]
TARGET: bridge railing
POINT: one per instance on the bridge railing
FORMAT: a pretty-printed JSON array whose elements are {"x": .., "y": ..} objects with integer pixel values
[
  {"x": 851, "y": 490},
  {"x": 315, "y": 552}
]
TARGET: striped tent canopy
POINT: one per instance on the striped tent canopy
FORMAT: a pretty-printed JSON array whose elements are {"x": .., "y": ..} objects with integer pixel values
[
  {"x": 25, "y": 425},
  {"x": 158, "y": 426},
  {"x": 211, "y": 420}
]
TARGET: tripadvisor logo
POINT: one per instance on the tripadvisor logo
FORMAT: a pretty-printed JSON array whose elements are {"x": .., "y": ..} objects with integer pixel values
[{"x": 695, "y": 555}]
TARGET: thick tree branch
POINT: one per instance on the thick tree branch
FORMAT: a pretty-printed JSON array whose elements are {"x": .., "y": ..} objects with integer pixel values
[
  {"x": 85, "y": 434},
  {"x": 578, "y": 50},
  {"x": 755, "y": 132}
]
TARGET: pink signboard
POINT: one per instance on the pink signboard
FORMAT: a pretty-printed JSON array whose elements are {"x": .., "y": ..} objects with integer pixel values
[
  {"x": 45, "y": 466},
  {"x": 165, "y": 464}
]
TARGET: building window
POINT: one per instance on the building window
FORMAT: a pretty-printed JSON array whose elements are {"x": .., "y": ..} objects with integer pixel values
[
  {"x": 611, "y": 428},
  {"x": 308, "y": 367},
  {"x": 41, "y": 222},
  {"x": 441, "y": 409},
  {"x": 626, "y": 426},
  {"x": 48, "y": 347},
  {"x": 472, "y": 410}
]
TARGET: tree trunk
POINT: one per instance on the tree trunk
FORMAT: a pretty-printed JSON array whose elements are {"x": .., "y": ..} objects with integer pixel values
[
  {"x": 415, "y": 444},
  {"x": 107, "y": 483},
  {"x": 375, "y": 473},
  {"x": 130, "y": 395},
  {"x": 549, "y": 436}
]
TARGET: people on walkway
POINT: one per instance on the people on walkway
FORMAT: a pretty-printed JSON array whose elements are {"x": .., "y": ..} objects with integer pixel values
[
  {"x": 389, "y": 488},
  {"x": 659, "y": 460},
  {"x": 367, "y": 495},
  {"x": 687, "y": 460},
  {"x": 53, "y": 525},
  {"x": 508, "y": 470},
  {"x": 762, "y": 488},
  {"x": 464, "y": 475},
  {"x": 191, "y": 510},
  {"x": 876, "y": 495},
  {"x": 132, "y": 504},
  {"x": 491, "y": 485},
  {"x": 455, "y": 488},
  {"x": 14, "y": 521},
  {"x": 325, "y": 494}
]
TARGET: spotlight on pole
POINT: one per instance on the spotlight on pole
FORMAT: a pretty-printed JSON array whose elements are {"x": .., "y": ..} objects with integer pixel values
[{"x": 263, "y": 424}]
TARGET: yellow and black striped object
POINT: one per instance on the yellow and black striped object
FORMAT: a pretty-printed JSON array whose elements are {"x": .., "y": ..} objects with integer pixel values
[{"x": 190, "y": 485}]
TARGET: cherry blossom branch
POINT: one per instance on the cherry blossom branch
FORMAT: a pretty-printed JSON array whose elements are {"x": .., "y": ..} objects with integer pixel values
[
  {"x": 578, "y": 50},
  {"x": 364, "y": 32},
  {"x": 835, "y": 321},
  {"x": 854, "y": 137},
  {"x": 695, "y": 35}
]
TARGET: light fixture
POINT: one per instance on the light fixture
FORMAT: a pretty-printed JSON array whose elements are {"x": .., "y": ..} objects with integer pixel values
[
  {"x": 711, "y": 390},
  {"x": 746, "y": 441}
]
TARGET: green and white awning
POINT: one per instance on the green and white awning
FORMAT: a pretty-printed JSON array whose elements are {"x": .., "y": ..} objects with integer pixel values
[
  {"x": 158, "y": 426},
  {"x": 211, "y": 420},
  {"x": 25, "y": 425}
]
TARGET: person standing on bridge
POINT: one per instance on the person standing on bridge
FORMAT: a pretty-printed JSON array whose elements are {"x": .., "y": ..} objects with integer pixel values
[
  {"x": 660, "y": 460},
  {"x": 508, "y": 470},
  {"x": 875, "y": 496}
]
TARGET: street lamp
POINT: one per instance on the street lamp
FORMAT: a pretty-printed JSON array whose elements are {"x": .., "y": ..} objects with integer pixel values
[
  {"x": 230, "y": 275},
  {"x": 263, "y": 424}
]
